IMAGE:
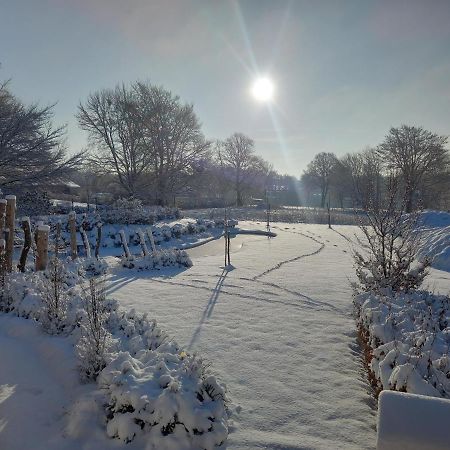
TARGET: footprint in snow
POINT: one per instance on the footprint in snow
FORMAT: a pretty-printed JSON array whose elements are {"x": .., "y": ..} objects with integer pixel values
[{"x": 34, "y": 391}]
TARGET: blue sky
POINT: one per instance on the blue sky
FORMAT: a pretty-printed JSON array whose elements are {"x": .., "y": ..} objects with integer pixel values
[{"x": 345, "y": 71}]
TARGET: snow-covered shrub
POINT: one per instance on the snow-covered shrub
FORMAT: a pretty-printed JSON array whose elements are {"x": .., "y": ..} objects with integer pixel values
[
  {"x": 157, "y": 392},
  {"x": 93, "y": 344},
  {"x": 408, "y": 340},
  {"x": 93, "y": 267},
  {"x": 390, "y": 247},
  {"x": 231, "y": 223},
  {"x": 158, "y": 260},
  {"x": 32, "y": 295},
  {"x": 34, "y": 204},
  {"x": 131, "y": 211},
  {"x": 54, "y": 298}
]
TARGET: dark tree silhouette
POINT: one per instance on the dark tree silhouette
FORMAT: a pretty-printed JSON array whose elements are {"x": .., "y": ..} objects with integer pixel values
[
  {"x": 32, "y": 151},
  {"x": 414, "y": 153},
  {"x": 319, "y": 173}
]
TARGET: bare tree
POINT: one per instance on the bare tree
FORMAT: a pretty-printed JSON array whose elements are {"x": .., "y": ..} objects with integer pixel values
[
  {"x": 236, "y": 155},
  {"x": 365, "y": 174},
  {"x": 390, "y": 246},
  {"x": 414, "y": 153},
  {"x": 31, "y": 149},
  {"x": 319, "y": 173},
  {"x": 172, "y": 138},
  {"x": 144, "y": 135},
  {"x": 110, "y": 118}
]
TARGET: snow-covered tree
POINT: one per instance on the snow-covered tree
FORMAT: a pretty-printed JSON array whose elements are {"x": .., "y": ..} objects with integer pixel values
[{"x": 390, "y": 246}]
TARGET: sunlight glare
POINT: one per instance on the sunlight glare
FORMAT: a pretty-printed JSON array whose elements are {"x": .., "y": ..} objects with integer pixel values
[{"x": 262, "y": 89}]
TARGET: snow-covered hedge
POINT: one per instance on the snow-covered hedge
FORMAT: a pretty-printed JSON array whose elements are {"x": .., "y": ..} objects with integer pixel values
[
  {"x": 133, "y": 212},
  {"x": 407, "y": 339},
  {"x": 158, "y": 260},
  {"x": 125, "y": 212}
]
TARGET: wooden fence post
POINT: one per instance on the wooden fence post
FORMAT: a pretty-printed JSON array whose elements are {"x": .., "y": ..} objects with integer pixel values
[
  {"x": 124, "y": 244},
  {"x": 26, "y": 227},
  {"x": 142, "y": 242},
  {"x": 10, "y": 221},
  {"x": 329, "y": 215},
  {"x": 2, "y": 217},
  {"x": 57, "y": 237},
  {"x": 152, "y": 240},
  {"x": 86, "y": 244},
  {"x": 42, "y": 247},
  {"x": 73, "y": 234},
  {"x": 99, "y": 239},
  {"x": 2, "y": 262}
]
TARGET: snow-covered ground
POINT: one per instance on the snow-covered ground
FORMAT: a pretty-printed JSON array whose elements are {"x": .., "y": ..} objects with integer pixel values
[{"x": 277, "y": 329}]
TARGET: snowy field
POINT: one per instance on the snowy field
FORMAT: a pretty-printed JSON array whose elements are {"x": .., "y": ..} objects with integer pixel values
[{"x": 277, "y": 329}]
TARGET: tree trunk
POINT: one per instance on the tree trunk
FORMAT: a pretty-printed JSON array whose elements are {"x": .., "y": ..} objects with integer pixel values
[
  {"x": 2, "y": 217},
  {"x": 26, "y": 245},
  {"x": 10, "y": 221}
]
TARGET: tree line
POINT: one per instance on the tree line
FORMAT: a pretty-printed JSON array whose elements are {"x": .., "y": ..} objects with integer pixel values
[
  {"x": 416, "y": 157},
  {"x": 144, "y": 142}
]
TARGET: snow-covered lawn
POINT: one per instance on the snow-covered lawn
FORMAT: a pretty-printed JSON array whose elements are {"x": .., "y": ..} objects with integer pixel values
[{"x": 277, "y": 329}]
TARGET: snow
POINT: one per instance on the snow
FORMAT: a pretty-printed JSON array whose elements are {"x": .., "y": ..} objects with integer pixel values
[
  {"x": 413, "y": 422},
  {"x": 38, "y": 382},
  {"x": 436, "y": 238},
  {"x": 277, "y": 329}
]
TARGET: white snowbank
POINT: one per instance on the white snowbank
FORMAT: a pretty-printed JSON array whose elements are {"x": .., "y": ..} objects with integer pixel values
[
  {"x": 413, "y": 422},
  {"x": 435, "y": 245}
]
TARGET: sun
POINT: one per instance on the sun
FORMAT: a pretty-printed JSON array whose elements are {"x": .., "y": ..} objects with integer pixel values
[{"x": 263, "y": 89}]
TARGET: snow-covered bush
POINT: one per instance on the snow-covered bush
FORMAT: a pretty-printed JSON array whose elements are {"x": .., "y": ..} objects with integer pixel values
[
  {"x": 158, "y": 260},
  {"x": 93, "y": 267},
  {"x": 93, "y": 345},
  {"x": 407, "y": 339},
  {"x": 54, "y": 298},
  {"x": 131, "y": 211},
  {"x": 34, "y": 204},
  {"x": 390, "y": 247},
  {"x": 157, "y": 392}
]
